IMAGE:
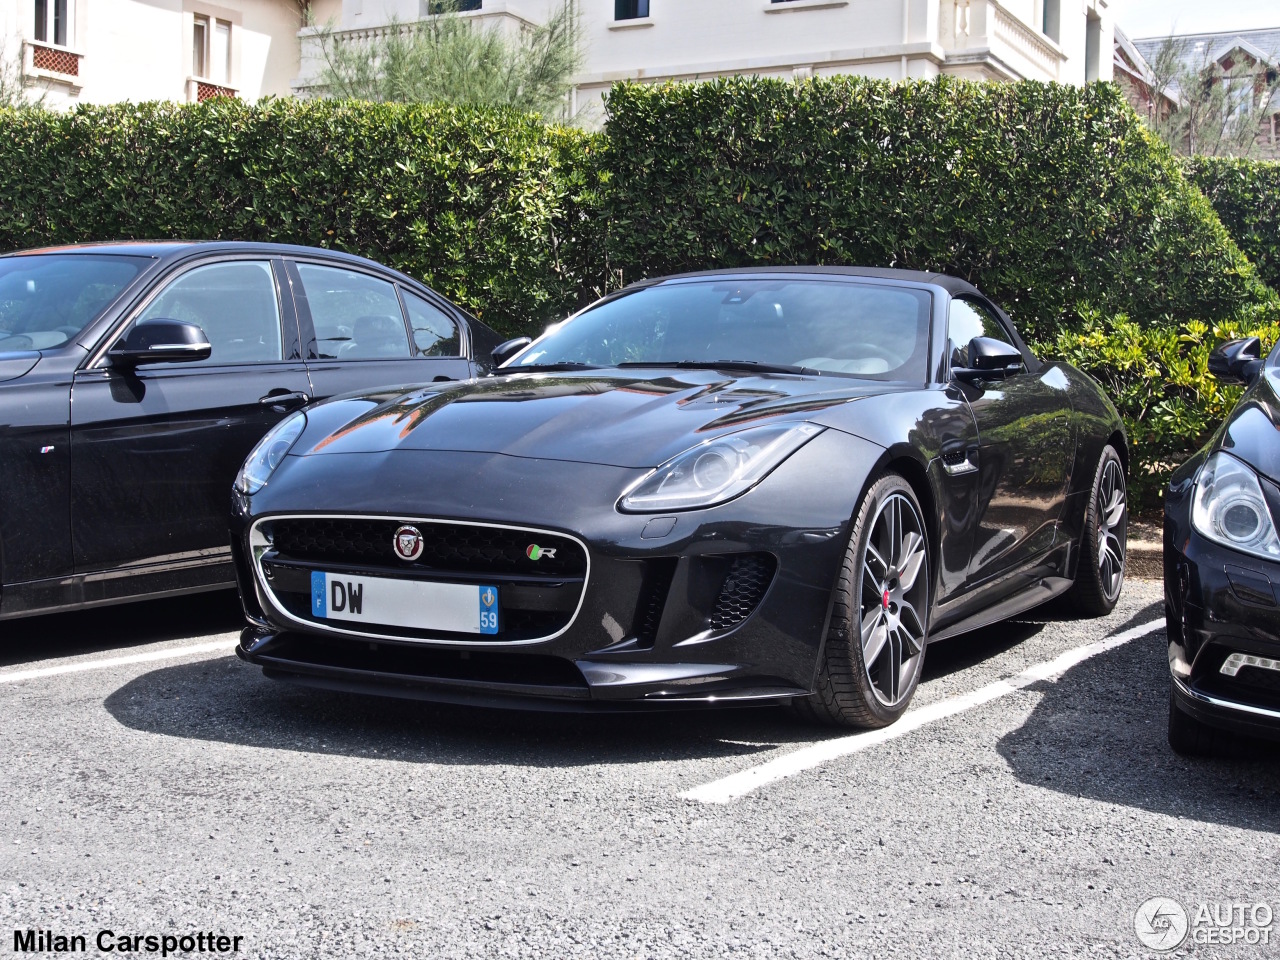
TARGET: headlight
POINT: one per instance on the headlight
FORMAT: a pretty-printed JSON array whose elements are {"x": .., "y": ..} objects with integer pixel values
[
  {"x": 1228, "y": 507},
  {"x": 717, "y": 470},
  {"x": 266, "y": 456}
]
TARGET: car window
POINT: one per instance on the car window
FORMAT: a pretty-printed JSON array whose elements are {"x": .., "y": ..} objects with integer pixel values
[
  {"x": 970, "y": 319},
  {"x": 434, "y": 332},
  {"x": 234, "y": 303},
  {"x": 48, "y": 299},
  {"x": 356, "y": 316}
]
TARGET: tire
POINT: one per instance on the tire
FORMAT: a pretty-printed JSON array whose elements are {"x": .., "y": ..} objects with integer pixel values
[
  {"x": 1100, "y": 569},
  {"x": 874, "y": 651},
  {"x": 1188, "y": 736}
]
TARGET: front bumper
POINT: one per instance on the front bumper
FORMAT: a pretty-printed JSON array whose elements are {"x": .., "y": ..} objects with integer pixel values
[
  {"x": 649, "y": 627},
  {"x": 1220, "y": 603}
]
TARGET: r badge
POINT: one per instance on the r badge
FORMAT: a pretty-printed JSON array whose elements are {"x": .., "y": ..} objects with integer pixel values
[{"x": 408, "y": 543}]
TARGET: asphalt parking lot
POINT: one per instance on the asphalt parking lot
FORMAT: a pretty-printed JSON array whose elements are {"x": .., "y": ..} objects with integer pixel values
[{"x": 1029, "y": 804}]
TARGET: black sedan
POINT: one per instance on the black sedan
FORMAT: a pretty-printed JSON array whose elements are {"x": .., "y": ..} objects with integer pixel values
[
  {"x": 738, "y": 486},
  {"x": 1222, "y": 567},
  {"x": 135, "y": 378}
]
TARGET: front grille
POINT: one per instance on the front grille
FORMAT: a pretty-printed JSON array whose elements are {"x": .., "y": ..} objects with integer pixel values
[
  {"x": 537, "y": 598},
  {"x": 744, "y": 586},
  {"x": 455, "y": 547}
]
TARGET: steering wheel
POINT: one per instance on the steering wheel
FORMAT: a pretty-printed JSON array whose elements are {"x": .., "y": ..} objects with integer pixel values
[{"x": 863, "y": 350}]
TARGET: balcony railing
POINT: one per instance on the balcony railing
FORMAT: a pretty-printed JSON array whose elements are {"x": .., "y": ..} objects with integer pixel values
[
  {"x": 985, "y": 31},
  {"x": 46, "y": 61}
]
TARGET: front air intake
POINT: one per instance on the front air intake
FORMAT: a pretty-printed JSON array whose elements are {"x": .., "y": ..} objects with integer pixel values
[{"x": 744, "y": 587}]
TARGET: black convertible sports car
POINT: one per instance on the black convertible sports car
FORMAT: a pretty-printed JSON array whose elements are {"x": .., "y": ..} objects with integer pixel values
[
  {"x": 136, "y": 377},
  {"x": 733, "y": 486},
  {"x": 1222, "y": 566}
]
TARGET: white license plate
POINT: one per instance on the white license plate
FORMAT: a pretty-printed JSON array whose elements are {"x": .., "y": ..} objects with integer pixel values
[{"x": 416, "y": 604}]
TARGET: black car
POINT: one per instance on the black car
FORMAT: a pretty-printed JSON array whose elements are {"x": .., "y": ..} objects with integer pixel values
[
  {"x": 1222, "y": 566},
  {"x": 135, "y": 378},
  {"x": 737, "y": 486}
]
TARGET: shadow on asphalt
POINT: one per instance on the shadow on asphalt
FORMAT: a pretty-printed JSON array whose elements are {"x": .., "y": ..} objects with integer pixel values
[
  {"x": 227, "y": 701},
  {"x": 118, "y": 627},
  {"x": 1100, "y": 732}
]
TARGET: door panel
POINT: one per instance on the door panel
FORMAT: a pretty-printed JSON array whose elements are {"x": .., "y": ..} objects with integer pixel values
[
  {"x": 155, "y": 450},
  {"x": 358, "y": 338},
  {"x": 1025, "y": 448}
]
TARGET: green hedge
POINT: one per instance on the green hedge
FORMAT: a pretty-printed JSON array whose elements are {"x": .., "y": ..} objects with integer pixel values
[
  {"x": 1246, "y": 195},
  {"x": 1157, "y": 375},
  {"x": 485, "y": 205},
  {"x": 1053, "y": 199}
]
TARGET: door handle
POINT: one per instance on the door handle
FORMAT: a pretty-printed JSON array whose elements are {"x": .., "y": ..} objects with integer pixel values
[{"x": 285, "y": 399}]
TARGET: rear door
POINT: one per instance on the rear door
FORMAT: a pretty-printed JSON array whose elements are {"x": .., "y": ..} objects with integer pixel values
[
  {"x": 1025, "y": 449},
  {"x": 155, "y": 449},
  {"x": 363, "y": 330}
]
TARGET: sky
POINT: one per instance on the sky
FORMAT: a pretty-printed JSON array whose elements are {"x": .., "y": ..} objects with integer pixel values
[{"x": 1159, "y": 18}]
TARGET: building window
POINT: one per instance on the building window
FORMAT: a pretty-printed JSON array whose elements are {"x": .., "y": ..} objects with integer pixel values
[
  {"x": 630, "y": 9},
  {"x": 211, "y": 50},
  {"x": 452, "y": 6},
  {"x": 1052, "y": 19},
  {"x": 53, "y": 21}
]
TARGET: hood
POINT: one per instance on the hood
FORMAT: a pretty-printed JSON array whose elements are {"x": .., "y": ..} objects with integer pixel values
[
  {"x": 1252, "y": 431},
  {"x": 612, "y": 417}
]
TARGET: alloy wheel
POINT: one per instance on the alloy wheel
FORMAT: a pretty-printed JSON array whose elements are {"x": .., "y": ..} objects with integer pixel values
[
  {"x": 893, "y": 600},
  {"x": 1113, "y": 520}
]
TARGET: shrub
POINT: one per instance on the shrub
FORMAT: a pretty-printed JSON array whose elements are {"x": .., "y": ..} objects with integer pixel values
[
  {"x": 1157, "y": 376},
  {"x": 1246, "y": 195},
  {"x": 1053, "y": 199},
  {"x": 491, "y": 207}
]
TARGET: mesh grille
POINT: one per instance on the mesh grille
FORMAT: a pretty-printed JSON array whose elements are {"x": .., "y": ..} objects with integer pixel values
[
  {"x": 446, "y": 546},
  {"x": 744, "y": 586},
  {"x": 207, "y": 91},
  {"x": 56, "y": 61}
]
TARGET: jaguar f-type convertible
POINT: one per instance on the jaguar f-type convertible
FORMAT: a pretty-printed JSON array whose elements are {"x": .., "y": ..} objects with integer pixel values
[{"x": 739, "y": 486}]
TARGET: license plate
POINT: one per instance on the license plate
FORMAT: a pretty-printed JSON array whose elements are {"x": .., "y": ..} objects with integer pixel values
[{"x": 416, "y": 604}]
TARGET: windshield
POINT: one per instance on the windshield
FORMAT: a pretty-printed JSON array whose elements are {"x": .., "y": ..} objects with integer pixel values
[
  {"x": 47, "y": 299},
  {"x": 831, "y": 326}
]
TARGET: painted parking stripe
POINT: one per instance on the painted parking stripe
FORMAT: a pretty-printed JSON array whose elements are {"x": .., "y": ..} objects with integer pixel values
[
  {"x": 169, "y": 653},
  {"x": 740, "y": 784}
]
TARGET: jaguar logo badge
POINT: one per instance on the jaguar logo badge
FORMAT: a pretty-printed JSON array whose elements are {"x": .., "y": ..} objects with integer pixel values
[
  {"x": 536, "y": 552},
  {"x": 408, "y": 543}
]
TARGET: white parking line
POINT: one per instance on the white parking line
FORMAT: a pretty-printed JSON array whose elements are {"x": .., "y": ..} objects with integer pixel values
[
  {"x": 740, "y": 784},
  {"x": 169, "y": 653}
]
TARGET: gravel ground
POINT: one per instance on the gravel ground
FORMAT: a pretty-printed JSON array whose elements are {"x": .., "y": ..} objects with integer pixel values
[{"x": 190, "y": 794}]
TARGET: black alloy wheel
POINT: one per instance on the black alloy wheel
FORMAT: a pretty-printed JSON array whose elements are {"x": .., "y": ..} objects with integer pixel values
[
  {"x": 874, "y": 652},
  {"x": 1103, "y": 546}
]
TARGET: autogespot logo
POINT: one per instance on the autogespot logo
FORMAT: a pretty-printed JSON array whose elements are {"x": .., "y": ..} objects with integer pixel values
[{"x": 1161, "y": 924}]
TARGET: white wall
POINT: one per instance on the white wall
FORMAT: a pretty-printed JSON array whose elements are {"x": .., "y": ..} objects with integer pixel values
[{"x": 141, "y": 49}]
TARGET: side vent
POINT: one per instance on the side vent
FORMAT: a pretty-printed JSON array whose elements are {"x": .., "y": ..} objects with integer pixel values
[
  {"x": 744, "y": 586},
  {"x": 653, "y": 599}
]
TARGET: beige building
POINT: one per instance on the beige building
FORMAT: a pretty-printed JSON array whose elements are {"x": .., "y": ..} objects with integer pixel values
[
  {"x": 102, "y": 51},
  {"x": 1069, "y": 41}
]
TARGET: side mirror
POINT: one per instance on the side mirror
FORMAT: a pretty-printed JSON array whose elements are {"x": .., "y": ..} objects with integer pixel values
[
  {"x": 505, "y": 351},
  {"x": 989, "y": 359},
  {"x": 1237, "y": 361},
  {"x": 161, "y": 341}
]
